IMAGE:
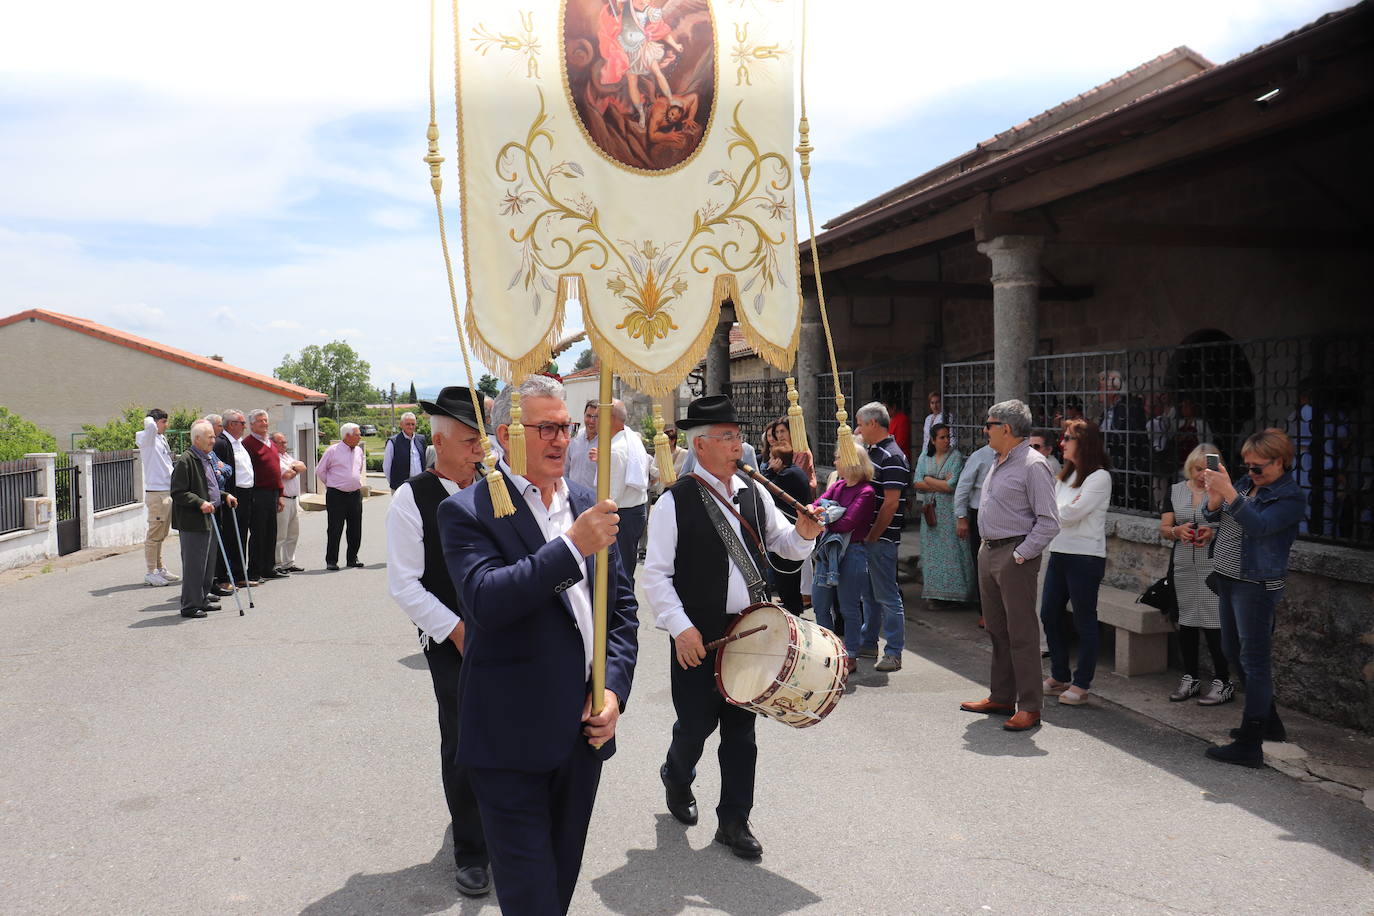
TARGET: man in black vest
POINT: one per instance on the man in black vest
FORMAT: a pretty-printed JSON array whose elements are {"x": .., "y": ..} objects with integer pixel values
[
  {"x": 695, "y": 578},
  {"x": 419, "y": 581},
  {"x": 405, "y": 452}
]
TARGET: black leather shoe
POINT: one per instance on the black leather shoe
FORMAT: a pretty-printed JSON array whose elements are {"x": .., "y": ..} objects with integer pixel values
[
  {"x": 356, "y": 564},
  {"x": 220, "y": 591},
  {"x": 473, "y": 880},
  {"x": 736, "y": 835},
  {"x": 682, "y": 804},
  {"x": 193, "y": 612},
  {"x": 332, "y": 567},
  {"x": 293, "y": 568},
  {"x": 275, "y": 575}
]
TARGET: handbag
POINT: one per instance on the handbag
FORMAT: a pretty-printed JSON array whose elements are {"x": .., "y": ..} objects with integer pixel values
[
  {"x": 929, "y": 511},
  {"x": 1161, "y": 595}
]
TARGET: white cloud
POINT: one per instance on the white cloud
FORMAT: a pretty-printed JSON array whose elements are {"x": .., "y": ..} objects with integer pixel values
[
  {"x": 138, "y": 316},
  {"x": 282, "y": 326}
]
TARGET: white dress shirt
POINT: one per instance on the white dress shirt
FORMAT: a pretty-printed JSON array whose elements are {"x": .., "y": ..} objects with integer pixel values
[
  {"x": 290, "y": 488},
  {"x": 629, "y": 473},
  {"x": 156, "y": 457},
  {"x": 656, "y": 580},
  {"x": 405, "y": 564},
  {"x": 554, "y": 522},
  {"x": 243, "y": 463},
  {"x": 416, "y": 460}
]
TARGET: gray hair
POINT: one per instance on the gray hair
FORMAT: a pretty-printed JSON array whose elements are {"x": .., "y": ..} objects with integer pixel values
[
  {"x": 407, "y": 416},
  {"x": 618, "y": 410},
  {"x": 214, "y": 419},
  {"x": 444, "y": 425},
  {"x": 285, "y": 441},
  {"x": 873, "y": 410},
  {"x": 692, "y": 434},
  {"x": 254, "y": 414},
  {"x": 231, "y": 414},
  {"x": 536, "y": 386},
  {"x": 1015, "y": 414},
  {"x": 201, "y": 427},
  {"x": 347, "y": 428}
]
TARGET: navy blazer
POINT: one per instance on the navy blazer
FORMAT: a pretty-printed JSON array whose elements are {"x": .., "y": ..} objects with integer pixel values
[{"x": 523, "y": 680}]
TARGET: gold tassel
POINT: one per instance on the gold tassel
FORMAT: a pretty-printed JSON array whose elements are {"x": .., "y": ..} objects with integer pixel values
[
  {"x": 663, "y": 452},
  {"x": 846, "y": 450},
  {"x": 796, "y": 422},
  {"x": 516, "y": 453},
  {"x": 501, "y": 506}
]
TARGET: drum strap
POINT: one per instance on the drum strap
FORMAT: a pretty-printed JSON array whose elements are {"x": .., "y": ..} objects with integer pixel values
[{"x": 753, "y": 579}]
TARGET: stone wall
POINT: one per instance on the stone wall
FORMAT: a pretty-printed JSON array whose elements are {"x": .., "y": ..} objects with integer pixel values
[{"x": 1324, "y": 640}]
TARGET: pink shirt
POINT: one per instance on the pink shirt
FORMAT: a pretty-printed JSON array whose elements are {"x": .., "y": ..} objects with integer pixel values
[{"x": 341, "y": 467}]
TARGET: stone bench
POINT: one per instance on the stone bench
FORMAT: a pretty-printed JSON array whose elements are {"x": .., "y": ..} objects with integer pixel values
[{"x": 1142, "y": 632}]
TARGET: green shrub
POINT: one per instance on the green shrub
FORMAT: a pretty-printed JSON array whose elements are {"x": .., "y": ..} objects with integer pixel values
[
  {"x": 119, "y": 432},
  {"x": 19, "y": 437}
]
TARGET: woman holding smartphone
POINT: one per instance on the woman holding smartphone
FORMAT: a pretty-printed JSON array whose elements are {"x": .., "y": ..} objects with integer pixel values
[{"x": 1255, "y": 520}]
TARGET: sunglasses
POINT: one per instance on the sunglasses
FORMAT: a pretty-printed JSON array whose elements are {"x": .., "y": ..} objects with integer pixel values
[
  {"x": 550, "y": 431},
  {"x": 991, "y": 423},
  {"x": 1256, "y": 468},
  {"x": 1068, "y": 439}
]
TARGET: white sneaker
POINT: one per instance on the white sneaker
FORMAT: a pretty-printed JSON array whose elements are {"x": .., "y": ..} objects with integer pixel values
[
  {"x": 153, "y": 578},
  {"x": 169, "y": 576},
  {"x": 1219, "y": 692},
  {"x": 1187, "y": 687}
]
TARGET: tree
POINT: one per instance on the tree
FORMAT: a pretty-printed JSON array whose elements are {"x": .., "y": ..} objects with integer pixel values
[
  {"x": 412, "y": 397},
  {"x": 335, "y": 369},
  {"x": 585, "y": 359},
  {"x": 19, "y": 437},
  {"x": 119, "y": 432},
  {"x": 329, "y": 429},
  {"x": 489, "y": 385}
]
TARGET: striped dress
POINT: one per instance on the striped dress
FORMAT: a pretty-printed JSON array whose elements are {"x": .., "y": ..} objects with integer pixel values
[{"x": 1197, "y": 606}]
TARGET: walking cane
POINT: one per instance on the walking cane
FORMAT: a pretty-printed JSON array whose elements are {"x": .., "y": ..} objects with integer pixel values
[
  {"x": 225, "y": 555},
  {"x": 238, "y": 539}
]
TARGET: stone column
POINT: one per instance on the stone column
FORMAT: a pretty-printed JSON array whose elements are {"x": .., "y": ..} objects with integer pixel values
[
  {"x": 1015, "y": 311},
  {"x": 811, "y": 362},
  {"x": 47, "y": 462},
  {"x": 84, "y": 460},
  {"x": 718, "y": 358}
]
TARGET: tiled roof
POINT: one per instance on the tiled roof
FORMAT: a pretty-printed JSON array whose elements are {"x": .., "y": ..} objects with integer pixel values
[
  {"x": 591, "y": 371},
  {"x": 171, "y": 354}
]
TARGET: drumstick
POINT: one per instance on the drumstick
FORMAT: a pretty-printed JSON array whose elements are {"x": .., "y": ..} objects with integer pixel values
[
  {"x": 778, "y": 491},
  {"x": 717, "y": 643}
]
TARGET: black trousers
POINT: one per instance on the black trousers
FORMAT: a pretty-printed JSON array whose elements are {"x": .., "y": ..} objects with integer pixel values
[
  {"x": 974, "y": 542},
  {"x": 235, "y": 536},
  {"x": 469, "y": 845},
  {"x": 536, "y": 829},
  {"x": 632, "y": 523},
  {"x": 343, "y": 508},
  {"x": 787, "y": 581},
  {"x": 700, "y": 709},
  {"x": 262, "y": 540}
]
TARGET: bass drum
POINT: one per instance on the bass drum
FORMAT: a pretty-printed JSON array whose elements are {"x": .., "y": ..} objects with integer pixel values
[{"x": 794, "y": 671}]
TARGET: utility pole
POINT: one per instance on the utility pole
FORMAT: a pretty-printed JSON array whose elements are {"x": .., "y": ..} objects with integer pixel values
[{"x": 393, "y": 407}]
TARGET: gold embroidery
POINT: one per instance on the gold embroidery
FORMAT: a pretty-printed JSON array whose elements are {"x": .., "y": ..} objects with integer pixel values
[{"x": 525, "y": 44}]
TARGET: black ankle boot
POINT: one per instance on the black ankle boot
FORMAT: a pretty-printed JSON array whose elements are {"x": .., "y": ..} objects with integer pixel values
[
  {"x": 1248, "y": 748},
  {"x": 1273, "y": 727}
]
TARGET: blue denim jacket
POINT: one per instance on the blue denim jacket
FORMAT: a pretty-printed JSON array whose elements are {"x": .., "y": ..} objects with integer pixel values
[{"x": 1270, "y": 521}]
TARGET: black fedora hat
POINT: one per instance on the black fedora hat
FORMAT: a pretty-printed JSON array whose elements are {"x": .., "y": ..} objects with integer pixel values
[
  {"x": 454, "y": 401},
  {"x": 709, "y": 411}
]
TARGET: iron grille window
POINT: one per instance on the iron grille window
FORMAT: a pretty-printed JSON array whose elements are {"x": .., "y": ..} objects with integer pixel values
[
  {"x": 19, "y": 480},
  {"x": 758, "y": 402},
  {"x": 966, "y": 393},
  {"x": 823, "y": 449},
  {"x": 112, "y": 479}
]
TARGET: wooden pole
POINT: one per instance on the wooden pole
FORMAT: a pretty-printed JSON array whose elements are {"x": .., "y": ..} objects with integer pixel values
[{"x": 601, "y": 584}]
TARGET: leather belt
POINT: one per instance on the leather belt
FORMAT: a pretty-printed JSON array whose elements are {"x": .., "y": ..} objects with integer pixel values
[{"x": 992, "y": 543}]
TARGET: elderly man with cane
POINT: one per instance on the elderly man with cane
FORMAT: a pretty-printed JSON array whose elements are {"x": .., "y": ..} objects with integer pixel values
[{"x": 195, "y": 495}]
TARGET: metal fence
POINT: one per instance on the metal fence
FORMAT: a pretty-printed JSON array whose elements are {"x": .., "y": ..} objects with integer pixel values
[
  {"x": 1155, "y": 405},
  {"x": 19, "y": 480},
  {"x": 758, "y": 402},
  {"x": 823, "y": 449},
  {"x": 966, "y": 393},
  {"x": 114, "y": 479}
]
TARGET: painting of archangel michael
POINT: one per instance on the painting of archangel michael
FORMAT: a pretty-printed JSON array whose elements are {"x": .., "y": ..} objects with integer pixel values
[{"x": 642, "y": 76}]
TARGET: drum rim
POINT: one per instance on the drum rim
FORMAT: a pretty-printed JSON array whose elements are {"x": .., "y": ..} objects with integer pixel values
[{"x": 789, "y": 664}]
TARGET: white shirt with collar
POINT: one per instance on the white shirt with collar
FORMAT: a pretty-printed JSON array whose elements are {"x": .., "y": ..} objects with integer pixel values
[
  {"x": 405, "y": 564},
  {"x": 243, "y": 463},
  {"x": 388, "y": 455},
  {"x": 656, "y": 580},
  {"x": 290, "y": 487},
  {"x": 554, "y": 521},
  {"x": 629, "y": 476}
]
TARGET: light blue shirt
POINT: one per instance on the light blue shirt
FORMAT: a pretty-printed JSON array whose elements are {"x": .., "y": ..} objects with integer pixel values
[{"x": 968, "y": 493}]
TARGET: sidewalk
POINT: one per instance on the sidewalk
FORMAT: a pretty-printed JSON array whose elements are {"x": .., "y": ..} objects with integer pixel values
[{"x": 1337, "y": 760}]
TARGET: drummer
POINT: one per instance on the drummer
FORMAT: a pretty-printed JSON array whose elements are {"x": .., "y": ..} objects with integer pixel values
[{"x": 696, "y": 577}]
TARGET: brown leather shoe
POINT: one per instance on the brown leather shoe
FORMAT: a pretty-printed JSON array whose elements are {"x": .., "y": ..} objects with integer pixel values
[
  {"x": 1022, "y": 721},
  {"x": 987, "y": 706}
]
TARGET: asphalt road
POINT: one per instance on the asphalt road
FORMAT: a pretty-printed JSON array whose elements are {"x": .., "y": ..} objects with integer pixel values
[{"x": 286, "y": 762}]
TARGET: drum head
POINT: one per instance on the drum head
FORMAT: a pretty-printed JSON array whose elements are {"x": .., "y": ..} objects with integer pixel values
[{"x": 747, "y": 668}]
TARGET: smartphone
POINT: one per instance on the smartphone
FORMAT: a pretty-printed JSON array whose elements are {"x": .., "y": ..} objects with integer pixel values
[{"x": 1214, "y": 462}]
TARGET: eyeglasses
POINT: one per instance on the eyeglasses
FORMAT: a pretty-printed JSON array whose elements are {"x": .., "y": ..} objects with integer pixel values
[
  {"x": 1256, "y": 468},
  {"x": 725, "y": 437},
  {"x": 551, "y": 431},
  {"x": 991, "y": 423}
]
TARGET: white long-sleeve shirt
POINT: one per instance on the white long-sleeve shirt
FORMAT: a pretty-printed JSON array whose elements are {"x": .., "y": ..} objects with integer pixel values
[
  {"x": 969, "y": 491},
  {"x": 405, "y": 564},
  {"x": 415, "y": 459},
  {"x": 156, "y": 457},
  {"x": 629, "y": 476},
  {"x": 1083, "y": 515},
  {"x": 656, "y": 580}
]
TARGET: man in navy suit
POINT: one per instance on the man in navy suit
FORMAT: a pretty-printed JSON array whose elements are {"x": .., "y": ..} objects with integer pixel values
[{"x": 526, "y": 734}]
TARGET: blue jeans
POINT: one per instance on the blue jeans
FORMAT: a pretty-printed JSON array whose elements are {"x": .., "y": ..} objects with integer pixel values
[
  {"x": 1072, "y": 577},
  {"x": 849, "y": 593},
  {"x": 883, "y": 594},
  {"x": 1247, "y": 637}
]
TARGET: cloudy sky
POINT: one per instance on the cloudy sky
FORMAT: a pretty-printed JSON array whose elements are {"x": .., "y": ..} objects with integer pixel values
[{"x": 245, "y": 179}]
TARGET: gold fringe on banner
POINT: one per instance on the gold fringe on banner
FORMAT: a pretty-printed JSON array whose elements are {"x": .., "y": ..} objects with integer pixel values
[
  {"x": 796, "y": 422},
  {"x": 663, "y": 451},
  {"x": 516, "y": 431}
]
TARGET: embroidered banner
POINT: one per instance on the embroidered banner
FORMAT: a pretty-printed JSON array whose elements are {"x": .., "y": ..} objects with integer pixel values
[{"x": 633, "y": 157}]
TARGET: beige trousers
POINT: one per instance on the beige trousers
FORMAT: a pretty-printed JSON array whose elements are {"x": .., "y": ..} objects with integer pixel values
[
  {"x": 288, "y": 531},
  {"x": 1008, "y": 595},
  {"x": 159, "y": 504}
]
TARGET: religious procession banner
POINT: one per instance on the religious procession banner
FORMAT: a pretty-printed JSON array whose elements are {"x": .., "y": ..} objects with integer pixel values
[{"x": 632, "y": 158}]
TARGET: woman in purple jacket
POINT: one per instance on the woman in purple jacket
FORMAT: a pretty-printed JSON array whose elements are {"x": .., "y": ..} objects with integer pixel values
[{"x": 841, "y": 564}]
